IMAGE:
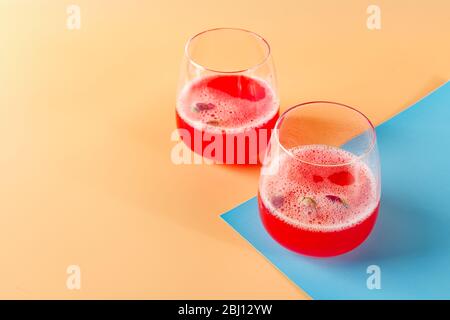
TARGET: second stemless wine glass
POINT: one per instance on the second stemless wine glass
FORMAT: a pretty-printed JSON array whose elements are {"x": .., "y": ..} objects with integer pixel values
[
  {"x": 227, "y": 101},
  {"x": 319, "y": 189}
]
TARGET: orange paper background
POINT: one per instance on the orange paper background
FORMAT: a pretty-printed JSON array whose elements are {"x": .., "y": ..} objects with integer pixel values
[{"x": 86, "y": 118}]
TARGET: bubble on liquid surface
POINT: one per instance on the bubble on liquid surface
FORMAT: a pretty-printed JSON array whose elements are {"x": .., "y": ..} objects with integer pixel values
[
  {"x": 232, "y": 113},
  {"x": 336, "y": 206}
]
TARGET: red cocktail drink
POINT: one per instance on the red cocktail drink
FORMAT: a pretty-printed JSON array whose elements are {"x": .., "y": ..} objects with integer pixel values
[
  {"x": 315, "y": 210},
  {"x": 227, "y": 103},
  {"x": 319, "y": 190}
]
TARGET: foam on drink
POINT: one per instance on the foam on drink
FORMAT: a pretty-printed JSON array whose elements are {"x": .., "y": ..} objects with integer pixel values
[
  {"x": 230, "y": 104},
  {"x": 312, "y": 197}
]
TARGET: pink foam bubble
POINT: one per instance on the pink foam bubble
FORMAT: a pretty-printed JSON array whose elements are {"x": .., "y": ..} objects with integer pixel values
[
  {"x": 328, "y": 206},
  {"x": 230, "y": 114}
]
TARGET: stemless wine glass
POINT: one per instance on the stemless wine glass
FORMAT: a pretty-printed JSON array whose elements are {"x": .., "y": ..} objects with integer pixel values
[
  {"x": 319, "y": 190},
  {"x": 227, "y": 101}
]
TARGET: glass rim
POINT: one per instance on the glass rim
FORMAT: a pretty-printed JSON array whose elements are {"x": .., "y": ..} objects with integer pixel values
[
  {"x": 201, "y": 66},
  {"x": 371, "y": 127}
]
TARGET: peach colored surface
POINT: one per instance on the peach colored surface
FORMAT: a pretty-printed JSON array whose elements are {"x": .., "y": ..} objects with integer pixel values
[{"x": 85, "y": 124}]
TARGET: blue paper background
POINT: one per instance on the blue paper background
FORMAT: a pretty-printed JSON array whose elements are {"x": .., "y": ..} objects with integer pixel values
[{"x": 411, "y": 240}]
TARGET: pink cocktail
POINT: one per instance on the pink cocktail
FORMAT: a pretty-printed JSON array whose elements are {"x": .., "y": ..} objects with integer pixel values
[
  {"x": 227, "y": 103},
  {"x": 320, "y": 198},
  {"x": 232, "y": 108}
]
